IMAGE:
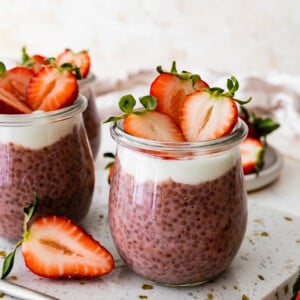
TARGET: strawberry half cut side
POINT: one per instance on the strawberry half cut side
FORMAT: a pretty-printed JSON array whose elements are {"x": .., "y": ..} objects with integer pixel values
[
  {"x": 170, "y": 91},
  {"x": 205, "y": 117},
  {"x": 80, "y": 59},
  {"x": 52, "y": 88},
  {"x": 153, "y": 125},
  {"x": 55, "y": 247}
]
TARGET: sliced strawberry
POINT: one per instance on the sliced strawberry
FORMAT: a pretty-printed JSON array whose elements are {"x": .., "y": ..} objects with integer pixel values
[
  {"x": 252, "y": 150},
  {"x": 38, "y": 62},
  {"x": 153, "y": 125},
  {"x": 80, "y": 59},
  {"x": 9, "y": 104},
  {"x": 205, "y": 117},
  {"x": 16, "y": 81},
  {"x": 55, "y": 247},
  {"x": 170, "y": 91},
  {"x": 52, "y": 88}
]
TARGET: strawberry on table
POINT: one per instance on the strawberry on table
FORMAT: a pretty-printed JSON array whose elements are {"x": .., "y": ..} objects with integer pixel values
[
  {"x": 252, "y": 153},
  {"x": 171, "y": 88},
  {"x": 147, "y": 123},
  {"x": 55, "y": 247},
  {"x": 80, "y": 59},
  {"x": 53, "y": 87},
  {"x": 210, "y": 113}
]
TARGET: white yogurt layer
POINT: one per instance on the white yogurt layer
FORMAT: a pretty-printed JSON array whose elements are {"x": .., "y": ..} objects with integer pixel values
[
  {"x": 192, "y": 171},
  {"x": 38, "y": 134}
]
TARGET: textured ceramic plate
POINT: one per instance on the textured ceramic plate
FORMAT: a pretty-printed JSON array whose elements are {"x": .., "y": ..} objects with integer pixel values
[{"x": 270, "y": 172}]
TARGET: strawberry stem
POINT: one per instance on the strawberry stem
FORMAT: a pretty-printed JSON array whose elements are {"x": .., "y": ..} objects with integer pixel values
[
  {"x": 184, "y": 75},
  {"x": 66, "y": 66},
  {"x": 232, "y": 86}
]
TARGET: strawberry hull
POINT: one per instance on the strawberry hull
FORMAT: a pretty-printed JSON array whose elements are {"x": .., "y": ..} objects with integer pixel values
[
  {"x": 178, "y": 221},
  {"x": 52, "y": 158}
]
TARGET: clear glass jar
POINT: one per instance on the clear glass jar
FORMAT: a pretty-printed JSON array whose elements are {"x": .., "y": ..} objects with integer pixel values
[
  {"x": 178, "y": 212},
  {"x": 90, "y": 115},
  {"x": 46, "y": 153}
]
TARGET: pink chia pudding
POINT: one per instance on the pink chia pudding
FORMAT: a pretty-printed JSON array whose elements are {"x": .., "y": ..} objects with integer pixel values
[
  {"x": 177, "y": 221},
  {"x": 53, "y": 160}
]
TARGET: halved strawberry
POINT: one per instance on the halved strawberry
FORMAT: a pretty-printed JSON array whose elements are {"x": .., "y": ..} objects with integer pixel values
[
  {"x": 153, "y": 125},
  {"x": 204, "y": 116},
  {"x": 171, "y": 88},
  {"x": 252, "y": 151},
  {"x": 56, "y": 247},
  {"x": 52, "y": 88},
  {"x": 11, "y": 105},
  {"x": 80, "y": 59},
  {"x": 16, "y": 81},
  {"x": 34, "y": 62},
  {"x": 38, "y": 62}
]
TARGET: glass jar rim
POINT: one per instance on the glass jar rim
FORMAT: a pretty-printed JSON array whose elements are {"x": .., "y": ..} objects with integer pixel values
[
  {"x": 12, "y": 120},
  {"x": 228, "y": 141}
]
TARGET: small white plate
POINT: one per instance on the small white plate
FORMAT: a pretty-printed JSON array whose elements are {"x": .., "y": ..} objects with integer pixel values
[{"x": 271, "y": 170}]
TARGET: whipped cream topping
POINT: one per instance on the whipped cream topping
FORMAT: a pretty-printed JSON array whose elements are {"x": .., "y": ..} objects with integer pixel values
[
  {"x": 37, "y": 134},
  {"x": 192, "y": 171}
]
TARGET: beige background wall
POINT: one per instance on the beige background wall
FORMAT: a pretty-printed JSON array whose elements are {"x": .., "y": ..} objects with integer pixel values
[{"x": 127, "y": 35}]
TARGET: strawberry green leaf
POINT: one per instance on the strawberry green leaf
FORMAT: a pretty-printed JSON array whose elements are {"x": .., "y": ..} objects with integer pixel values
[
  {"x": 264, "y": 126},
  {"x": 127, "y": 103},
  {"x": 30, "y": 209},
  {"x": 109, "y": 155},
  {"x": 184, "y": 75},
  {"x": 2, "y": 68},
  {"x": 9, "y": 261},
  {"x": 149, "y": 102},
  {"x": 26, "y": 60}
]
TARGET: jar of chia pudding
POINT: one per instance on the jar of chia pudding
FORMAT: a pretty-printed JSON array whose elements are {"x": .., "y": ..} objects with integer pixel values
[
  {"x": 178, "y": 211},
  {"x": 90, "y": 115},
  {"x": 45, "y": 153}
]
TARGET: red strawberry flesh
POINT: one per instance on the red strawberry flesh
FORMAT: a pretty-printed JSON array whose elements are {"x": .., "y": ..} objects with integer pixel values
[
  {"x": 153, "y": 125},
  {"x": 205, "y": 117},
  {"x": 80, "y": 59},
  {"x": 56, "y": 247},
  {"x": 250, "y": 152},
  {"x": 52, "y": 89},
  {"x": 170, "y": 91}
]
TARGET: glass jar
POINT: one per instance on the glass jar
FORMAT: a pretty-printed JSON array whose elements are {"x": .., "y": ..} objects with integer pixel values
[
  {"x": 90, "y": 115},
  {"x": 45, "y": 153},
  {"x": 178, "y": 212}
]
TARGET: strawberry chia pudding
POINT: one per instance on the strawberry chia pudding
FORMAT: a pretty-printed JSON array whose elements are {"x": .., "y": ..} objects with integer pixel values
[
  {"x": 47, "y": 153},
  {"x": 178, "y": 213}
]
